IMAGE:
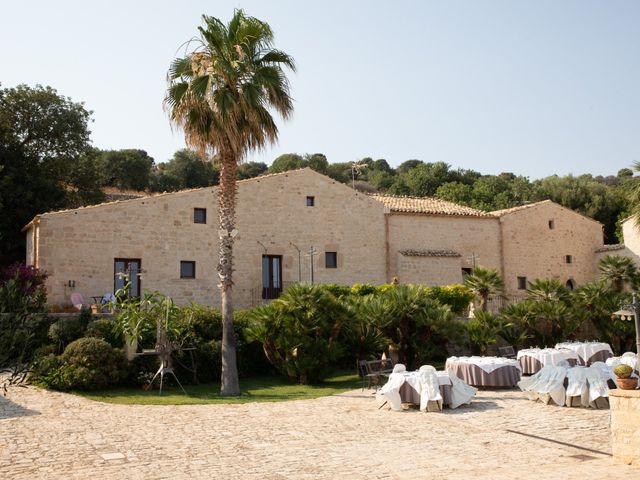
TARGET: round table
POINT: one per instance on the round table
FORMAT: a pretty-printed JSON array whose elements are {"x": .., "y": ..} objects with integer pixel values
[
  {"x": 485, "y": 371},
  {"x": 410, "y": 389},
  {"x": 589, "y": 352},
  {"x": 533, "y": 359}
]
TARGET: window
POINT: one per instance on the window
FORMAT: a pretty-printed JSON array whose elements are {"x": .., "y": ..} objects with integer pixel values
[
  {"x": 552, "y": 225},
  {"x": 271, "y": 276},
  {"x": 331, "y": 259},
  {"x": 570, "y": 284},
  {"x": 127, "y": 271},
  {"x": 522, "y": 283},
  {"x": 466, "y": 271},
  {"x": 568, "y": 259},
  {"x": 187, "y": 269},
  {"x": 311, "y": 201},
  {"x": 199, "y": 215}
]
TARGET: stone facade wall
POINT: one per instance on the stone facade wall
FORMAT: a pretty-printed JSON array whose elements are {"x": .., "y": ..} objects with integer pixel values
[
  {"x": 81, "y": 245},
  {"x": 429, "y": 270},
  {"x": 625, "y": 425},
  {"x": 531, "y": 249},
  {"x": 467, "y": 236},
  {"x": 631, "y": 235}
]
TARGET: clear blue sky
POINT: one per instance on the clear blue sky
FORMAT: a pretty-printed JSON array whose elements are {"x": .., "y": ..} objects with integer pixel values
[{"x": 535, "y": 88}]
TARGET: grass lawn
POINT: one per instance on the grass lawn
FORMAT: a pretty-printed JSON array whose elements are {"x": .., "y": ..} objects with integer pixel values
[{"x": 260, "y": 389}]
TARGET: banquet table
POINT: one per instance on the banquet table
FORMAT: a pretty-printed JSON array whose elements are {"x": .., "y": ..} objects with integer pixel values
[
  {"x": 533, "y": 359},
  {"x": 410, "y": 389},
  {"x": 486, "y": 371},
  {"x": 589, "y": 352}
]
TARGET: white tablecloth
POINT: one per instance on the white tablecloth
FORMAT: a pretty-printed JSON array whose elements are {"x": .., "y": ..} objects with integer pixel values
[
  {"x": 586, "y": 349},
  {"x": 488, "y": 364},
  {"x": 548, "y": 356},
  {"x": 413, "y": 379}
]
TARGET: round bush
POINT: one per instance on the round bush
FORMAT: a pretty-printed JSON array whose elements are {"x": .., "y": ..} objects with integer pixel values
[
  {"x": 91, "y": 364},
  {"x": 65, "y": 330},
  {"x": 105, "y": 329}
]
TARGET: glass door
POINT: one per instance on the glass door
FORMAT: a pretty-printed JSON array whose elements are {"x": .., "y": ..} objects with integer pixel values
[
  {"x": 271, "y": 276},
  {"x": 127, "y": 270}
]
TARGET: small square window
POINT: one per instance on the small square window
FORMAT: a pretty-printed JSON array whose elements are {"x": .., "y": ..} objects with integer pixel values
[
  {"x": 311, "y": 201},
  {"x": 568, "y": 259},
  {"x": 331, "y": 259},
  {"x": 187, "y": 269},
  {"x": 522, "y": 283},
  {"x": 199, "y": 215},
  {"x": 552, "y": 225}
]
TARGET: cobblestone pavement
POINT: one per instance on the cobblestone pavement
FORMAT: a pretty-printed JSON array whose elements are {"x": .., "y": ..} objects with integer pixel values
[{"x": 501, "y": 435}]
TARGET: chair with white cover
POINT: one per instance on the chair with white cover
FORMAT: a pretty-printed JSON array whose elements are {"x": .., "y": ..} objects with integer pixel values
[
  {"x": 391, "y": 390},
  {"x": 461, "y": 393},
  {"x": 546, "y": 385},
  {"x": 430, "y": 396},
  {"x": 597, "y": 379},
  {"x": 577, "y": 389},
  {"x": 554, "y": 389},
  {"x": 530, "y": 385}
]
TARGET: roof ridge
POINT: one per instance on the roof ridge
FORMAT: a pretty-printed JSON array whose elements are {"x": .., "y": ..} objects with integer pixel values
[{"x": 162, "y": 194}]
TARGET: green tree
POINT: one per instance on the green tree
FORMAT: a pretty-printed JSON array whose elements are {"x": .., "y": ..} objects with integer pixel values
[
  {"x": 251, "y": 170},
  {"x": 220, "y": 94},
  {"x": 45, "y": 160},
  {"x": 187, "y": 169},
  {"x": 128, "y": 169},
  {"x": 287, "y": 161},
  {"x": 484, "y": 282}
]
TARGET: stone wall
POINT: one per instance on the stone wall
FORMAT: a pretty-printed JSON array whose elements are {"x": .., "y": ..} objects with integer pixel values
[
  {"x": 272, "y": 215},
  {"x": 625, "y": 425},
  {"x": 537, "y": 239},
  {"x": 429, "y": 270},
  {"x": 467, "y": 236}
]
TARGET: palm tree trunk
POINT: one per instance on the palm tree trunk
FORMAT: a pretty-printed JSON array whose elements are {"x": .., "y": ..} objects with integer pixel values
[{"x": 229, "y": 384}]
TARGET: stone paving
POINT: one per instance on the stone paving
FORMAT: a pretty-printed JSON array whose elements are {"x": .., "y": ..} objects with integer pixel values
[{"x": 501, "y": 435}]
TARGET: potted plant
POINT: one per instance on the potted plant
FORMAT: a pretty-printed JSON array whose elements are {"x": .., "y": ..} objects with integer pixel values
[{"x": 623, "y": 373}]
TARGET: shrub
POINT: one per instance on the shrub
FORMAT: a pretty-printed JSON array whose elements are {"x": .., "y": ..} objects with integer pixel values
[
  {"x": 106, "y": 330},
  {"x": 419, "y": 325},
  {"x": 23, "y": 325},
  {"x": 458, "y": 297},
  {"x": 86, "y": 364},
  {"x": 483, "y": 330},
  {"x": 362, "y": 289},
  {"x": 65, "y": 330},
  {"x": 300, "y": 331}
]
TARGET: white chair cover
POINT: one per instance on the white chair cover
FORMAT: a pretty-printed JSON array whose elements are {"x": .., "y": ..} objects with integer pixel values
[
  {"x": 399, "y": 368},
  {"x": 391, "y": 390},
  {"x": 461, "y": 393},
  {"x": 597, "y": 380},
  {"x": 629, "y": 354},
  {"x": 554, "y": 388},
  {"x": 546, "y": 385},
  {"x": 530, "y": 385},
  {"x": 578, "y": 389},
  {"x": 430, "y": 396},
  {"x": 77, "y": 300}
]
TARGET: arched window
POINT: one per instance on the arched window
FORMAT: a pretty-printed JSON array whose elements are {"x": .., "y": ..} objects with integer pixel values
[{"x": 571, "y": 284}]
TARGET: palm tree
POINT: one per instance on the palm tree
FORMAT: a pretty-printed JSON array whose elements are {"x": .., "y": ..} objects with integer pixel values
[
  {"x": 551, "y": 289},
  {"x": 221, "y": 94},
  {"x": 484, "y": 282},
  {"x": 618, "y": 271}
]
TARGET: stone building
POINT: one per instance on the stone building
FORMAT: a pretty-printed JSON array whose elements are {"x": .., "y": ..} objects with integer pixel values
[{"x": 297, "y": 226}]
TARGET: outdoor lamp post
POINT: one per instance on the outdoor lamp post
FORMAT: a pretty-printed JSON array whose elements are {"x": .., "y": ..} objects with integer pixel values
[{"x": 626, "y": 313}]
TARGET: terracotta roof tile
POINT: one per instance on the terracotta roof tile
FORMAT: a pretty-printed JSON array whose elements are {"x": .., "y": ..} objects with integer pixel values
[
  {"x": 611, "y": 248},
  {"x": 506, "y": 211},
  {"x": 430, "y": 253},
  {"x": 429, "y": 205}
]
